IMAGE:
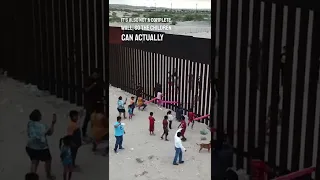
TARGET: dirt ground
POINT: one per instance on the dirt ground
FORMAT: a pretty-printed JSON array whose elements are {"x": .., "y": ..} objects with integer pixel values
[
  {"x": 17, "y": 100},
  {"x": 156, "y": 154}
]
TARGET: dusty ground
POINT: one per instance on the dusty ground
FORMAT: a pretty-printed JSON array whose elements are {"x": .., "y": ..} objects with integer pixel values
[
  {"x": 18, "y": 100},
  {"x": 156, "y": 154}
]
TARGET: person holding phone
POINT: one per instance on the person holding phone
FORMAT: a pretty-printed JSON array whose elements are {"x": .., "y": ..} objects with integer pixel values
[
  {"x": 37, "y": 145},
  {"x": 121, "y": 109},
  {"x": 93, "y": 94}
]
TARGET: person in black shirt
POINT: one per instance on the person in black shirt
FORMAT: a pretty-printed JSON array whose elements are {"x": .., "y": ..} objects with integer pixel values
[
  {"x": 157, "y": 88},
  {"x": 139, "y": 91},
  {"x": 93, "y": 94},
  {"x": 179, "y": 112}
]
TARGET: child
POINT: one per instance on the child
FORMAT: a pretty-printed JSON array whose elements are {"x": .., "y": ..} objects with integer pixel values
[
  {"x": 170, "y": 118},
  {"x": 31, "y": 176},
  {"x": 130, "y": 111},
  {"x": 183, "y": 126},
  {"x": 259, "y": 169},
  {"x": 121, "y": 108},
  {"x": 179, "y": 112},
  {"x": 191, "y": 117},
  {"x": 141, "y": 103},
  {"x": 165, "y": 128},
  {"x": 132, "y": 103},
  {"x": 159, "y": 99},
  {"x": 66, "y": 156},
  {"x": 99, "y": 128},
  {"x": 151, "y": 123},
  {"x": 73, "y": 130}
]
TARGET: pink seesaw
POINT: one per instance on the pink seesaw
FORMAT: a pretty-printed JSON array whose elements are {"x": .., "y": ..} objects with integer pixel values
[
  {"x": 153, "y": 99},
  {"x": 297, "y": 174},
  {"x": 201, "y": 117},
  {"x": 169, "y": 102}
]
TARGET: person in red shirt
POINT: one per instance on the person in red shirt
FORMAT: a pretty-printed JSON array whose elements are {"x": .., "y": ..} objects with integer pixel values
[
  {"x": 165, "y": 128},
  {"x": 191, "y": 117},
  {"x": 259, "y": 169},
  {"x": 151, "y": 123},
  {"x": 183, "y": 126}
]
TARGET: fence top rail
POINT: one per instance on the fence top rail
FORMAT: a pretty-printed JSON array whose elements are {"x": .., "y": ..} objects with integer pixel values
[{"x": 178, "y": 46}]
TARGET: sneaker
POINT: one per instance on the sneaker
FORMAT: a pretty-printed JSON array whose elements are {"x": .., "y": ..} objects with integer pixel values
[
  {"x": 181, "y": 162},
  {"x": 175, "y": 164}
]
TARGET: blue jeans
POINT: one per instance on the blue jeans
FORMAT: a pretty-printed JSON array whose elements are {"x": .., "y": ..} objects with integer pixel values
[
  {"x": 178, "y": 154},
  {"x": 119, "y": 140}
]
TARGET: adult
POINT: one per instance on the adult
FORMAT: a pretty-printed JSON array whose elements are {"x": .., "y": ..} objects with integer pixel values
[
  {"x": 37, "y": 146},
  {"x": 93, "y": 94},
  {"x": 100, "y": 130},
  {"x": 118, "y": 133},
  {"x": 178, "y": 147},
  {"x": 121, "y": 109},
  {"x": 139, "y": 91}
]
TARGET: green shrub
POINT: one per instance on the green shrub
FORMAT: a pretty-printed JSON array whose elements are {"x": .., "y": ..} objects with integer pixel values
[
  {"x": 188, "y": 17},
  {"x": 193, "y": 17},
  {"x": 135, "y": 15},
  {"x": 114, "y": 19}
]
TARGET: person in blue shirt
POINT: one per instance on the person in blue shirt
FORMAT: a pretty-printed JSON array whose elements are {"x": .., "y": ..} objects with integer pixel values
[
  {"x": 121, "y": 108},
  {"x": 66, "y": 156},
  {"x": 118, "y": 133},
  {"x": 130, "y": 111}
]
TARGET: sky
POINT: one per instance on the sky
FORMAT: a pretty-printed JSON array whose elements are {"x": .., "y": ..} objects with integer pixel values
[{"x": 177, "y": 4}]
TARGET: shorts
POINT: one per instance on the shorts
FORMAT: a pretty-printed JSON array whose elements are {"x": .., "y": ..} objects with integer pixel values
[
  {"x": 39, "y": 155},
  {"x": 121, "y": 110},
  {"x": 67, "y": 162}
]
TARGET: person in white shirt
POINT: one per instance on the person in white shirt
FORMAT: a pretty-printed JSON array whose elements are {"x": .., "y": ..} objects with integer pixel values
[
  {"x": 159, "y": 99},
  {"x": 170, "y": 118},
  {"x": 178, "y": 147}
]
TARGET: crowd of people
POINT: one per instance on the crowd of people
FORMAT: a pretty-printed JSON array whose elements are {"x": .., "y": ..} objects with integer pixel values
[
  {"x": 37, "y": 147},
  {"x": 38, "y": 150},
  {"x": 168, "y": 118}
]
